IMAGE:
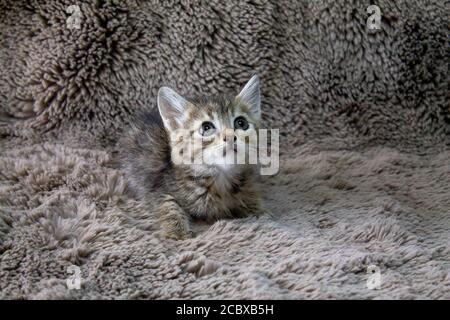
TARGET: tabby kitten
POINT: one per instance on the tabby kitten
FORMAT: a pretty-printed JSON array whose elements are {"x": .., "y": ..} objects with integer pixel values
[{"x": 206, "y": 186}]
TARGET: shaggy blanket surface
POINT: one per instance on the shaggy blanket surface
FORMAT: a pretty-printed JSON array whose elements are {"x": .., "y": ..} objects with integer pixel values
[{"x": 364, "y": 174}]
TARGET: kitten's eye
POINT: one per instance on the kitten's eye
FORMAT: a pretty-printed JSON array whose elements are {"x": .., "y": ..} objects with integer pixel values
[
  {"x": 240, "y": 123},
  {"x": 207, "y": 128}
]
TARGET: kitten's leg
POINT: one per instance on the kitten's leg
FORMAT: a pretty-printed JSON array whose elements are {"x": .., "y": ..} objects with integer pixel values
[
  {"x": 174, "y": 220},
  {"x": 252, "y": 207},
  {"x": 255, "y": 209}
]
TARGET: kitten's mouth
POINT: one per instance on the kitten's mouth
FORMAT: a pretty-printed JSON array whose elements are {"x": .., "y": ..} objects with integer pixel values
[{"x": 229, "y": 148}]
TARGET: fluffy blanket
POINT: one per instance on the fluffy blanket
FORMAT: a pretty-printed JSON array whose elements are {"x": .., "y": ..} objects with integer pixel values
[{"x": 364, "y": 116}]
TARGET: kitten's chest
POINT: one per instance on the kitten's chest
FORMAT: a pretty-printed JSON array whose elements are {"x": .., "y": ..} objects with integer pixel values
[
  {"x": 221, "y": 185},
  {"x": 222, "y": 190},
  {"x": 216, "y": 196}
]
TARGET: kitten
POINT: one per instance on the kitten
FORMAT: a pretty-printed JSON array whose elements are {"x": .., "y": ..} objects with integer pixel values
[{"x": 206, "y": 187}]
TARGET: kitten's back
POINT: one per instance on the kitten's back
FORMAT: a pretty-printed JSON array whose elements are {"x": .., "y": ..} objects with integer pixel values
[{"x": 145, "y": 152}]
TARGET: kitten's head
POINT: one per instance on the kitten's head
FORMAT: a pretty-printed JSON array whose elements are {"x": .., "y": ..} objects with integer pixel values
[{"x": 214, "y": 131}]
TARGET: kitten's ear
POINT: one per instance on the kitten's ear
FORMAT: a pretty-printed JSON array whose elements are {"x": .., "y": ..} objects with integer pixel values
[
  {"x": 252, "y": 97},
  {"x": 172, "y": 108}
]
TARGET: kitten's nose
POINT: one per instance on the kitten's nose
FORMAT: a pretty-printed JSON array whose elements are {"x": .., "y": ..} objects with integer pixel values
[
  {"x": 225, "y": 139},
  {"x": 228, "y": 134}
]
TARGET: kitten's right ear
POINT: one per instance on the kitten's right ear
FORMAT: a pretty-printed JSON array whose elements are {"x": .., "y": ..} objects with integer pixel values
[
  {"x": 172, "y": 108},
  {"x": 251, "y": 95}
]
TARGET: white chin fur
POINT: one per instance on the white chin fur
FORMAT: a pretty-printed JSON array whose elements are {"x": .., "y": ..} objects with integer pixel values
[{"x": 218, "y": 159}]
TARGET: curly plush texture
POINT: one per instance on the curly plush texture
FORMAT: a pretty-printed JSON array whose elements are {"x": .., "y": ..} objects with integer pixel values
[
  {"x": 364, "y": 174},
  {"x": 324, "y": 74}
]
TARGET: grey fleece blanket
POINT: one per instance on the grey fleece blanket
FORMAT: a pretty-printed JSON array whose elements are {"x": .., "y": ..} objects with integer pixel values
[{"x": 364, "y": 180}]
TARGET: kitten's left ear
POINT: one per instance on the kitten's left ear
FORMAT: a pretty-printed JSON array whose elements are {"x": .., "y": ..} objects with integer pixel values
[
  {"x": 252, "y": 97},
  {"x": 172, "y": 108}
]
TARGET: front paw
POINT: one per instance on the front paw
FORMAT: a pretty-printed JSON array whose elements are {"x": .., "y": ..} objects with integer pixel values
[
  {"x": 178, "y": 234},
  {"x": 261, "y": 212},
  {"x": 249, "y": 212}
]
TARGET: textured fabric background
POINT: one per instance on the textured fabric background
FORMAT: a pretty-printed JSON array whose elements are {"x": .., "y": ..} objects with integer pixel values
[{"x": 365, "y": 123}]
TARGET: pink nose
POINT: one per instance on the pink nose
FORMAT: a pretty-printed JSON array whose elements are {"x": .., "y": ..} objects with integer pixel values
[{"x": 225, "y": 139}]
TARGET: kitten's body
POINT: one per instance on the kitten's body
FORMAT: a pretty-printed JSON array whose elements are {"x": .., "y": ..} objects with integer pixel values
[{"x": 187, "y": 191}]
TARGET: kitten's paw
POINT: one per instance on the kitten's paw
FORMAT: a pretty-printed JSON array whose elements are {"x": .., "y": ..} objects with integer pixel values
[
  {"x": 260, "y": 212},
  {"x": 174, "y": 222},
  {"x": 177, "y": 227},
  {"x": 178, "y": 234},
  {"x": 266, "y": 213}
]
